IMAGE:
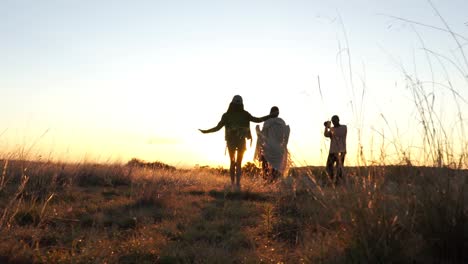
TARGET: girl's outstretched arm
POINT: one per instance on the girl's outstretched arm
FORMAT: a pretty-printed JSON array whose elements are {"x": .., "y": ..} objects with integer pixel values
[
  {"x": 263, "y": 118},
  {"x": 214, "y": 129},
  {"x": 260, "y": 119}
]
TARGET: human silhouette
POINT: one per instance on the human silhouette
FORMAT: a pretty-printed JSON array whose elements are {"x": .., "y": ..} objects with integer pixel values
[
  {"x": 272, "y": 143},
  {"x": 237, "y": 129},
  {"x": 337, "y": 153}
]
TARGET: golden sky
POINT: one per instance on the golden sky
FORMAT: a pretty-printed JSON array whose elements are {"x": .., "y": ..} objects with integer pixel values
[{"x": 109, "y": 82}]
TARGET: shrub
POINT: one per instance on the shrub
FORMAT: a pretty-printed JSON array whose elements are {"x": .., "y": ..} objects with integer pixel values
[{"x": 149, "y": 165}]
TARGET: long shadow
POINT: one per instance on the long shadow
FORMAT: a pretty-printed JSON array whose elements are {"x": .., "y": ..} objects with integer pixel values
[
  {"x": 243, "y": 195},
  {"x": 124, "y": 216},
  {"x": 218, "y": 234}
]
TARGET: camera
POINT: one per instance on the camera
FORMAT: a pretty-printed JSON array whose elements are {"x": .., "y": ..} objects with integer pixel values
[{"x": 327, "y": 123}]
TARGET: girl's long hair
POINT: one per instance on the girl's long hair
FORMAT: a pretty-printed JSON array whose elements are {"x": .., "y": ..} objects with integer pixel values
[{"x": 235, "y": 108}]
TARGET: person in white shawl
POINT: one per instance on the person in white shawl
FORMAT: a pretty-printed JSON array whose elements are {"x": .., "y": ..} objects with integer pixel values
[{"x": 271, "y": 149}]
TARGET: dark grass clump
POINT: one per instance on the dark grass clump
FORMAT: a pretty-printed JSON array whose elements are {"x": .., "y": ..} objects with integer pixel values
[
  {"x": 101, "y": 175},
  {"x": 442, "y": 220},
  {"x": 27, "y": 217},
  {"x": 288, "y": 225}
]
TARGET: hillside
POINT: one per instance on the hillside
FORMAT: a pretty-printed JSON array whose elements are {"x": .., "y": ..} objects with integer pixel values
[{"x": 92, "y": 213}]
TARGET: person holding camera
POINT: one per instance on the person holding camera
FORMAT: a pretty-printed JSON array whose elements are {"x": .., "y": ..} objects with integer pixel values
[
  {"x": 337, "y": 153},
  {"x": 237, "y": 128}
]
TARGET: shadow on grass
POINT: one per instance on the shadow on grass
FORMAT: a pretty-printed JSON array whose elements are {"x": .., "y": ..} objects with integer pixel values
[
  {"x": 242, "y": 195},
  {"x": 126, "y": 216},
  {"x": 218, "y": 234},
  {"x": 196, "y": 193}
]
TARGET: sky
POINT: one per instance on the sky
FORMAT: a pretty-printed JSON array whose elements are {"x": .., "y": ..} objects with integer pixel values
[{"x": 108, "y": 81}]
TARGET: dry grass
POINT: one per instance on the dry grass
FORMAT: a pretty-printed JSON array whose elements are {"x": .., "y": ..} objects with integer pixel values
[
  {"x": 95, "y": 213},
  {"x": 89, "y": 213},
  {"x": 394, "y": 214}
]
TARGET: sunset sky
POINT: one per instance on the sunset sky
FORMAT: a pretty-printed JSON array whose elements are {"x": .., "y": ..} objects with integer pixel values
[{"x": 112, "y": 80}]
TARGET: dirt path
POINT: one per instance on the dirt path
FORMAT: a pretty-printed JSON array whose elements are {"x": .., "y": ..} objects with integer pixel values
[{"x": 223, "y": 227}]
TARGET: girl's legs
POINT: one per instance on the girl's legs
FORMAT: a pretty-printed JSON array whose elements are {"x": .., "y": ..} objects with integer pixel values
[
  {"x": 232, "y": 167},
  {"x": 235, "y": 169},
  {"x": 240, "y": 155}
]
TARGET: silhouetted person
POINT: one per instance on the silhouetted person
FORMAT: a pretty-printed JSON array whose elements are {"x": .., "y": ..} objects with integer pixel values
[
  {"x": 272, "y": 143},
  {"x": 237, "y": 128},
  {"x": 337, "y": 153}
]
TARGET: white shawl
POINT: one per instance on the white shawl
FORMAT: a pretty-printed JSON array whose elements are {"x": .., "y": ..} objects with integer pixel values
[{"x": 272, "y": 143}]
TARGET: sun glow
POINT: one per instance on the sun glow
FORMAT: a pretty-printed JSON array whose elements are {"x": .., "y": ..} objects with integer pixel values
[{"x": 108, "y": 88}]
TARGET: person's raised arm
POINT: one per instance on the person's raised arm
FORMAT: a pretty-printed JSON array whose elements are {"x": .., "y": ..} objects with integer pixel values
[
  {"x": 327, "y": 132},
  {"x": 214, "y": 129}
]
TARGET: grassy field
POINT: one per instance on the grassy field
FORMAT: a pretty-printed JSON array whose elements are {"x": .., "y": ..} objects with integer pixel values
[{"x": 93, "y": 213}]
